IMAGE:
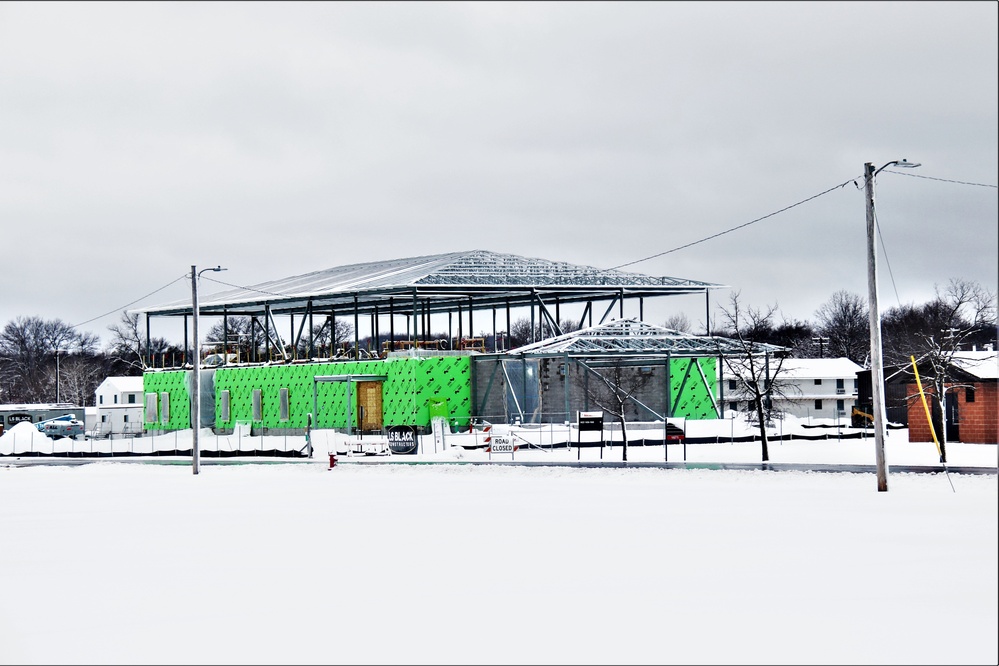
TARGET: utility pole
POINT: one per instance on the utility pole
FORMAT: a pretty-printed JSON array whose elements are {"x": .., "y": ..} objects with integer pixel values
[
  {"x": 821, "y": 341},
  {"x": 196, "y": 388},
  {"x": 58, "y": 397},
  {"x": 877, "y": 369},
  {"x": 874, "y": 321},
  {"x": 196, "y": 391}
]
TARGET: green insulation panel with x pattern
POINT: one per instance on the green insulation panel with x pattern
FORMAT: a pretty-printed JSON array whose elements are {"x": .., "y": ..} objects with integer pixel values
[{"x": 692, "y": 386}]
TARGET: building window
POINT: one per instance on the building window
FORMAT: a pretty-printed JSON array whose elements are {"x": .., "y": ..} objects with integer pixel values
[
  {"x": 100, "y": 399},
  {"x": 840, "y": 406},
  {"x": 116, "y": 399},
  {"x": 131, "y": 398},
  {"x": 731, "y": 385},
  {"x": 125, "y": 418},
  {"x": 840, "y": 387},
  {"x": 734, "y": 406},
  {"x": 257, "y": 407},
  {"x": 151, "y": 408},
  {"x": 104, "y": 418},
  {"x": 283, "y": 404},
  {"x": 969, "y": 394},
  {"x": 164, "y": 407},
  {"x": 818, "y": 405},
  {"x": 224, "y": 406},
  {"x": 818, "y": 382}
]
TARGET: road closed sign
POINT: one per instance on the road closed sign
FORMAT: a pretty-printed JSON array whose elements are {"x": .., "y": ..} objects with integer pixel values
[{"x": 502, "y": 444}]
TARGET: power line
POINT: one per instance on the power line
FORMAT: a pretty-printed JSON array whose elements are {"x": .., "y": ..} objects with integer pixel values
[
  {"x": 727, "y": 231},
  {"x": 943, "y": 180},
  {"x": 884, "y": 249},
  {"x": 238, "y": 286},
  {"x": 182, "y": 277}
]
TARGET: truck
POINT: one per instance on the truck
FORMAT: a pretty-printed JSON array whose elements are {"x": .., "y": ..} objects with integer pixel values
[{"x": 66, "y": 425}]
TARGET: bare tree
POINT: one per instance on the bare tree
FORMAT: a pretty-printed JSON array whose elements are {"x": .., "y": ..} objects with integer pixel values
[
  {"x": 757, "y": 366},
  {"x": 843, "y": 319},
  {"x": 678, "y": 322},
  {"x": 78, "y": 376},
  {"x": 231, "y": 336},
  {"x": 127, "y": 347},
  {"x": 795, "y": 335},
  {"x": 28, "y": 349},
  {"x": 613, "y": 390},
  {"x": 947, "y": 325},
  {"x": 521, "y": 333},
  {"x": 325, "y": 339}
]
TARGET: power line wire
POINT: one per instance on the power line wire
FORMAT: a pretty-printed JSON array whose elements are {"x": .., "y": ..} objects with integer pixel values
[
  {"x": 722, "y": 233},
  {"x": 943, "y": 180},
  {"x": 238, "y": 286},
  {"x": 182, "y": 277},
  {"x": 884, "y": 249}
]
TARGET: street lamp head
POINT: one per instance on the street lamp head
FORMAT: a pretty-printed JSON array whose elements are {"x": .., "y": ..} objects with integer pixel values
[
  {"x": 214, "y": 269},
  {"x": 904, "y": 163}
]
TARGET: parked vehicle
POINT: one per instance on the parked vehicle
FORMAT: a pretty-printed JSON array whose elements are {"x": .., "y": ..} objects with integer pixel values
[{"x": 61, "y": 426}]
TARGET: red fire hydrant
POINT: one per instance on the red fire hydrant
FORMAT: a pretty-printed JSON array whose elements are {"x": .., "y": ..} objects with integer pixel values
[{"x": 332, "y": 460}]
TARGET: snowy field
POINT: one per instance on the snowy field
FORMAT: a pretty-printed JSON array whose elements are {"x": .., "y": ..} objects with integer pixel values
[
  {"x": 291, "y": 562},
  {"x": 844, "y": 445}
]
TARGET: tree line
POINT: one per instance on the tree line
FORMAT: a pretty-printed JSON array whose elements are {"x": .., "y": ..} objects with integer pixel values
[{"x": 42, "y": 361}]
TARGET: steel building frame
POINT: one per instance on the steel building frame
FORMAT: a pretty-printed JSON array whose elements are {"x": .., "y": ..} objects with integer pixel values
[{"x": 461, "y": 283}]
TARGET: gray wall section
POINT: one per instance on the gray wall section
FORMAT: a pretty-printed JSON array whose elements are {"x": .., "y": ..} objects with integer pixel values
[
  {"x": 494, "y": 402},
  {"x": 207, "y": 413}
]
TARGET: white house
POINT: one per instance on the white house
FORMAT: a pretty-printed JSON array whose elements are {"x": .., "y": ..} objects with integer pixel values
[
  {"x": 119, "y": 407},
  {"x": 823, "y": 388}
]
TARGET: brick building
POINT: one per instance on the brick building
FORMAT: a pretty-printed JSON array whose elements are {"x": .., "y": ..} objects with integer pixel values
[{"x": 972, "y": 401}]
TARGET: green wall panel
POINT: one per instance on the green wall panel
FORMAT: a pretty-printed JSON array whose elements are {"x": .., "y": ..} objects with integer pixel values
[
  {"x": 409, "y": 384},
  {"x": 174, "y": 383},
  {"x": 695, "y": 399}
]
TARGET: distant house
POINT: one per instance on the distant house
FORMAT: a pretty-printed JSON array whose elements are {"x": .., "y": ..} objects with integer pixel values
[
  {"x": 824, "y": 388},
  {"x": 972, "y": 401},
  {"x": 119, "y": 407}
]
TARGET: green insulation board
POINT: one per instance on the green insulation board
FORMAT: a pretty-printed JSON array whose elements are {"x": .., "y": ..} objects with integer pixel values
[
  {"x": 693, "y": 384},
  {"x": 408, "y": 385},
  {"x": 173, "y": 383}
]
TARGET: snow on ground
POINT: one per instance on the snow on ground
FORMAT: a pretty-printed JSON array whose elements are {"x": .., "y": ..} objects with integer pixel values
[
  {"x": 534, "y": 442},
  {"x": 291, "y": 562}
]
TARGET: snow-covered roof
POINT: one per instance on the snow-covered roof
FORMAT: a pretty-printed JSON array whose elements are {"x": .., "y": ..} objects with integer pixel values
[
  {"x": 122, "y": 384},
  {"x": 34, "y": 406},
  {"x": 442, "y": 282},
  {"x": 819, "y": 368},
  {"x": 980, "y": 364},
  {"x": 635, "y": 337}
]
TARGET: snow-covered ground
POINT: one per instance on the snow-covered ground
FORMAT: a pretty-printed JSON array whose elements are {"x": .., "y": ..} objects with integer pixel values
[
  {"x": 844, "y": 445},
  {"x": 292, "y": 562}
]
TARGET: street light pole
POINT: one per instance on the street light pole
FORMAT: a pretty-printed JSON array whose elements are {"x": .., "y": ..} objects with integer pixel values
[
  {"x": 196, "y": 389},
  {"x": 874, "y": 316},
  {"x": 58, "y": 400}
]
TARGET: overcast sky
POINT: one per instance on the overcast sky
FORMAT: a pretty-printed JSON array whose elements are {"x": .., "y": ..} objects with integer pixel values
[{"x": 138, "y": 139}]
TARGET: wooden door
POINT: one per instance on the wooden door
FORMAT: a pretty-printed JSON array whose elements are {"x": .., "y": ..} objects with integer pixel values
[{"x": 369, "y": 406}]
